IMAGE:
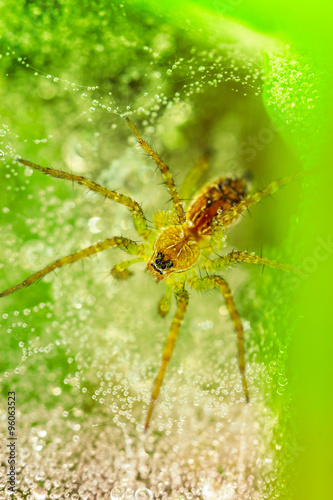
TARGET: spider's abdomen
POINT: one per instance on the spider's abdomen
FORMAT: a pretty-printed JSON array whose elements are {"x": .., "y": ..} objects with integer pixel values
[{"x": 218, "y": 195}]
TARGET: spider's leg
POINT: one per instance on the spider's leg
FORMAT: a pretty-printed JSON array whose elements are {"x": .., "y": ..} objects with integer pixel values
[
  {"x": 120, "y": 271},
  {"x": 231, "y": 213},
  {"x": 218, "y": 232},
  {"x": 125, "y": 244},
  {"x": 192, "y": 181},
  {"x": 164, "y": 303},
  {"x": 138, "y": 216},
  {"x": 167, "y": 175},
  {"x": 182, "y": 299},
  {"x": 202, "y": 284},
  {"x": 233, "y": 257}
]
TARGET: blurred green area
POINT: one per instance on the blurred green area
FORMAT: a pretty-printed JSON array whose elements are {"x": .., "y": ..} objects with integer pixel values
[{"x": 88, "y": 44}]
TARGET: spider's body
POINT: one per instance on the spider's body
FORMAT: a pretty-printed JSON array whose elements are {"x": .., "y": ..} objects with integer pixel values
[
  {"x": 184, "y": 239},
  {"x": 178, "y": 247}
]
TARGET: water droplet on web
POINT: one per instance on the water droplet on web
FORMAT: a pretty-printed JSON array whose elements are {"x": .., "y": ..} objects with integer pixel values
[
  {"x": 39, "y": 493},
  {"x": 117, "y": 493},
  {"x": 143, "y": 494},
  {"x": 2, "y": 132}
]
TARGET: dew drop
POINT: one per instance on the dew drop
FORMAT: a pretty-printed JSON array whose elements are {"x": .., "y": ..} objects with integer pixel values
[
  {"x": 117, "y": 493},
  {"x": 39, "y": 493},
  {"x": 143, "y": 494}
]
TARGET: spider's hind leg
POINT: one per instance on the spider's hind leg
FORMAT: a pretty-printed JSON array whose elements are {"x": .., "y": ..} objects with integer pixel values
[
  {"x": 193, "y": 179},
  {"x": 230, "y": 214},
  {"x": 235, "y": 256},
  {"x": 218, "y": 235},
  {"x": 209, "y": 282}
]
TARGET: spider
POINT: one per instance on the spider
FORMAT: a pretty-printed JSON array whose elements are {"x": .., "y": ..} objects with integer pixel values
[{"x": 184, "y": 240}]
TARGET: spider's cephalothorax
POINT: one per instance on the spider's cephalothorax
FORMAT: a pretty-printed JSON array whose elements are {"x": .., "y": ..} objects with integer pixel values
[
  {"x": 175, "y": 251},
  {"x": 183, "y": 242}
]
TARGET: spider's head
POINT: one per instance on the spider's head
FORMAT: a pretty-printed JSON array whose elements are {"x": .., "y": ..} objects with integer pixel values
[{"x": 174, "y": 252}]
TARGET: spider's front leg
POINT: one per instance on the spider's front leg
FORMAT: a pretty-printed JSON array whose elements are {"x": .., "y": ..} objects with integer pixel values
[
  {"x": 209, "y": 282},
  {"x": 167, "y": 175},
  {"x": 139, "y": 219},
  {"x": 182, "y": 301},
  {"x": 125, "y": 244}
]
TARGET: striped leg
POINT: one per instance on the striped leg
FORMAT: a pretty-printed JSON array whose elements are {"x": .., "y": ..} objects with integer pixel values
[
  {"x": 182, "y": 298},
  {"x": 138, "y": 216},
  {"x": 233, "y": 257},
  {"x": 167, "y": 175},
  {"x": 125, "y": 244},
  {"x": 233, "y": 212},
  {"x": 202, "y": 284},
  {"x": 218, "y": 235}
]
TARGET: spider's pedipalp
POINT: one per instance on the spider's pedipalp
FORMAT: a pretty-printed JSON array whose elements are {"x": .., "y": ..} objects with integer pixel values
[
  {"x": 164, "y": 302},
  {"x": 167, "y": 175},
  {"x": 139, "y": 219},
  {"x": 120, "y": 271},
  {"x": 125, "y": 244},
  {"x": 182, "y": 301},
  {"x": 209, "y": 282}
]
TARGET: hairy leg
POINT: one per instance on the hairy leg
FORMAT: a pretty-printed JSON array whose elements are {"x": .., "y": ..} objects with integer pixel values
[
  {"x": 167, "y": 175},
  {"x": 182, "y": 299},
  {"x": 233, "y": 212},
  {"x": 233, "y": 257},
  {"x": 218, "y": 235},
  {"x": 120, "y": 271},
  {"x": 138, "y": 216},
  {"x": 164, "y": 303},
  {"x": 202, "y": 284},
  {"x": 125, "y": 244},
  {"x": 191, "y": 182}
]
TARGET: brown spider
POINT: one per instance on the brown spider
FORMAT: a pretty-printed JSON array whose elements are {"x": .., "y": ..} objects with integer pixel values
[{"x": 181, "y": 240}]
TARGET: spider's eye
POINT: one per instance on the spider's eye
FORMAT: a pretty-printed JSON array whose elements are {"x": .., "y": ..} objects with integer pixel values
[{"x": 161, "y": 264}]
